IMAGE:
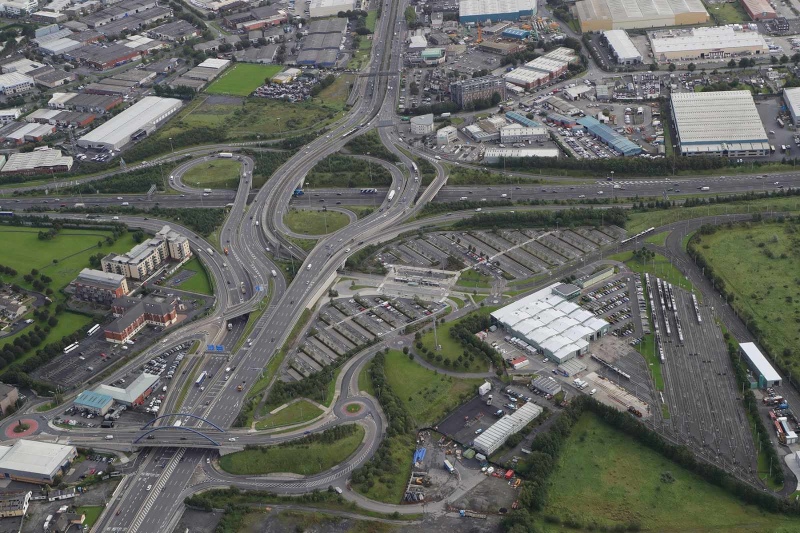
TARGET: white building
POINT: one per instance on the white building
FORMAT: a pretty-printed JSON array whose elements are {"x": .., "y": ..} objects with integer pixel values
[
  {"x": 18, "y": 8},
  {"x": 9, "y": 115},
  {"x": 498, "y": 433},
  {"x": 622, "y": 47},
  {"x": 35, "y": 462},
  {"x": 791, "y": 97},
  {"x": 718, "y": 123},
  {"x": 140, "y": 119},
  {"x": 558, "y": 328},
  {"x": 15, "y": 83},
  {"x": 706, "y": 43},
  {"x": 329, "y": 8},
  {"x": 516, "y": 133},
  {"x": 495, "y": 155},
  {"x": 422, "y": 125},
  {"x": 446, "y": 135}
]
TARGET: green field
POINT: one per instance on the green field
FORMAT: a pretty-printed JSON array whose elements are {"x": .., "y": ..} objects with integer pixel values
[
  {"x": 766, "y": 287},
  {"x": 199, "y": 283},
  {"x": 92, "y": 513},
  {"x": 474, "y": 279},
  {"x": 315, "y": 222},
  {"x": 243, "y": 78},
  {"x": 607, "y": 479},
  {"x": 70, "y": 249},
  {"x": 337, "y": 93},
  {"x": 427, "y": 395},
  {"x": 214, "y": 174},
  {"x": 726, "y": 13},
  {"x": 641, "y": 221},
  {"x": 295, "y": 413},
  {"x": 303, "y": 459},
  {"x": 659, "y": 239},
  {"x": 361, "y": 56},
  {"x": 372, "y": 18},
  {"x": 451, "y": 348},
  {"x": 659, "y": 266}
]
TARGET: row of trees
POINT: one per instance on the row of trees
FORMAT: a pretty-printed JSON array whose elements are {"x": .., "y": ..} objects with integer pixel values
[
  {"x": 339, "y": 170},
  {"x": 621, "y": 166},
  {"x": 464, "y": 331},
  {"x": 533, "y": 219},
  {"x": 371, "y": 144}
]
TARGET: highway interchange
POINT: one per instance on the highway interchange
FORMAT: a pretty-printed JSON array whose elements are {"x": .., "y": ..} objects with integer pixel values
[{"x": 170, "y": 468}]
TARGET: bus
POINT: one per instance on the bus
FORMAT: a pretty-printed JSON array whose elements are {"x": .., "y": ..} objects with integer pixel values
[
  {"x": 201, "y": 378},
  {"x": 94, "y": 329},
  {"x": 71, "y": 347},
  {"x": 6, "y": 213},
  {"x": 349, "y": 133}
]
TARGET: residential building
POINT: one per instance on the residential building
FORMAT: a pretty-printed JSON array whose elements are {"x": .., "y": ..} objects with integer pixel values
[
  {"x": 465, "y": 92},
  {"x": 144, "y": 259},
  {"x": 133, "y": 314},
  {"x": 98, "y": 286}
]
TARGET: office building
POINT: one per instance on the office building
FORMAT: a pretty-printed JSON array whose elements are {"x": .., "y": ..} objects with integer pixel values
[
  {"x": 16, "y": 83},
  {"x": 422, "y": 124},
  {"x": 465, "y": 92},
  {"x": 446, "y": 135}
]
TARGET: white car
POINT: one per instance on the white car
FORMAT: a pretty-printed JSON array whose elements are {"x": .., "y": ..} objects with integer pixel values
[
  {"x": 232, "y": 439},
  {"x": 149, "y": 487}
]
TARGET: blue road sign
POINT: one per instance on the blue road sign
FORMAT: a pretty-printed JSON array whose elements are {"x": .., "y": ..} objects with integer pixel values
[
  {"x": 209, "y": 347},
  {"x": 220, "y": 348},
  {"x": 258, "y": 288}
]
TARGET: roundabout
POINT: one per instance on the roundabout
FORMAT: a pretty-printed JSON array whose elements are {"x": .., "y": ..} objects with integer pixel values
[
  {"x": 21, "y": 428},
  {"x": 352, "y": 408}
]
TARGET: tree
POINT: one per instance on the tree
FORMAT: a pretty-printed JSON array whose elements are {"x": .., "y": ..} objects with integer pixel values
[
  {"x": 773, "y": 60},
  {"x": 732, "y": 63},
  {"x": 692, "y": 67},
  {"x": 745, "y": 62},
  {"x": 784, "y": 59},
  {"x": 672, "y": 67}
]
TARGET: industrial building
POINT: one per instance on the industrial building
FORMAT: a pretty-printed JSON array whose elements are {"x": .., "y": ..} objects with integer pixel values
[
  {"x": 522, "y": 120},
  {"x": 446, "y": 135},
  {"x": 546, "y": 385},
  {"x": 706, "y": 43},
  {"x": 40, "y": 160},
  {"x": 98, "y": 287},
  {"x": 593, "y": 274},
  {"x": 498, "y": 433},
  {"x": 791, "y": 98},
  {"x": 136, "y": 393},
  {"x": 15, "y": 83},
  {"x": 552, "y": 325},
  {"x": 767, "y": 375},
  {"x": 542, "y": 69},
  {"x": 496, "y": 155},
  {"x": 515, "y": 133},
  {"x": 474, "y": 11},
  {"x": 139, "y": 120},
  {"x": 145, "y": 258},
  {"x": 94, "y": 402},
  {"x": 35, "y": 462},
  {"x": 719, "y": 124},
  {"x": 622, "y": 48},
  {"x": 14, "y": 503},
  {"x": 422, "y": 124},
  {"x": 759, "y": 9},
  {"x": 464, "y": 92},
  {"x": 329, "y": 8},
  {"x": 609, "y": 136},
  {"x": 133, "y": 314},
  {"x": 602, "y": 15}
]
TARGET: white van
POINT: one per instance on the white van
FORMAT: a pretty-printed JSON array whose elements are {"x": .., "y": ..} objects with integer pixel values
[
  {"x": 109, "y": 437},
  {"x": 591, "y": 392},
  {"x": 125, "y": 204},
  {"x": 114, "y": 218}
]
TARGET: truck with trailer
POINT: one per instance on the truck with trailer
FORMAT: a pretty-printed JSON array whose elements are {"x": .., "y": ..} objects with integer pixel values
[
  {"x": 225, "y": 155},
  {"x": 391, "y": 195},
  {"x": 449, "y": 466}
]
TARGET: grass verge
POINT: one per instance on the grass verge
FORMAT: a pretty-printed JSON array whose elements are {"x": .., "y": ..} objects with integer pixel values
[
  {"x": 295, "y": 413},
  {"x": 199, "y": 282},
  {"x": 315, "y": 222},
  {"x": 214, "y": 174},
  {"x": 659, "y": 266}
]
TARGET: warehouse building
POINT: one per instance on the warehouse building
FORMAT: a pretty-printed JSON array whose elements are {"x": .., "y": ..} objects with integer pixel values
[
  {"x": 610, "y": 137},
  {"x": 791, "y": 97},
  {"x": 622, "y": 48},
  {"x": 94, "y": 402},
  {"x": 706, "y": 43},
  {"x": 464, "y": 92},
  {"x": 514, "y": 133},
  {"x": 474, "y": 11},
  {"x": 546, "y": 385},
  {"x": 602, "y": 15},
  {"x": 136, "y": 393},
  {"x": 552, "y": 325},
  {"x": 718, "y": 124},
  {"x": 329, "y": 8},
  {"x": 522, "y": 120},
  {"x": 35, "y": 462},
  {"x": 40, "y": 160},
  {"x": 15, "y": 83},
  {"x": 137, "y": 121},
  {"x": 98, "y": 286},
  {"x": 498, "y": 433},
  {"x": 767, "y": 375},
  {"x": 759, "y": 9}
]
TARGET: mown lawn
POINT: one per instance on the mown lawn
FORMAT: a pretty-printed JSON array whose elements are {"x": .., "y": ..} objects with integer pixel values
[
  {"x": 295, "y": 413},
  {"x": 474, "y": 279},
  {"x": 243, "y": 78},
  {"x": 659, "y": 266},
  {"x": 92, "y": 513},
  {"x": 451, "y": 348},
  {"x": 761, "y": 265},
  {"x": 199, "y": 282},
  {"x": 315, "y": 222},
  {"x": 615, "y": 481},
  {"x": 427, "y": 395},
  {"x": 214, "y": 174},
  {"x": 303, "y": 459}
]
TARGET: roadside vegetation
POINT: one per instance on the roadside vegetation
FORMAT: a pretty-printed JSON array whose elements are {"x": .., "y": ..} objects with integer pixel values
[
  {"x": 266, "y": 165},
  {"x": 307, "y": 456},
  {"x": 214, "y": 174},
  {"x": 295, "y": 413},
  {"x": 307, "y": 222},
  {"x": 199, "y": 282},
  {"x": 461, "y": 350},
  {"x": 338, "y": 171},
  {"x": 242, "y": 79},
  {"x": 370, "y": 144},
  {"x": 645, "y": 260}
]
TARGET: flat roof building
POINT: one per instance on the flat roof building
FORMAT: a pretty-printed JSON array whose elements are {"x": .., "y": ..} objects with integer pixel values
[
  {"x": 14, "y": 503},
  {"x": 95, "y": 402},
  {"x": 759, "y": 9},
  {"x": 718, "y": 124},
  {"x": 446, "y": 135},
  {"x": 136, "y": 393},
  {"x": 329, "y": 8},
  {"x": 600, "y": 15},
  {"x": 498, "y": 433},
  {"x": 622, "y": 48},
  {"x": 496, "y": 155},
  {"x": 791, "y": 97},
  {"x": 465, "y": 92},
  {"x": 144, "y": 116},
  {"x": 98, "y": 286},
  {"x": 145, "y": 258},
  {"x": 706, "y": 43},
  {"x": 474, "y": 11},
  {"x": 767, "y": 375},
  {"x": 39, "y": 160},
  {"x": 546, "y": 385},
  {"x": 515, "y": 133},
  {"x": 422, "y": 124},
  {"x": 15, "y": 83},
  {"x": 610, "y": 137},
  {"x": 35, "y": 462}
]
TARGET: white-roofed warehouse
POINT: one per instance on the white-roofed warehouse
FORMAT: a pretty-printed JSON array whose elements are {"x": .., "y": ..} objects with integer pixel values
[
  {"x": 35, "y": 462},
  {"x": 767, "y": 375},
  {"x": 719, "y": 123},
  {"x": 493, "y": 438},
  {"x": 142, "y": 118},
  {"x": 791, "y": 97},
  {"x": 559, "y": 328},
  {"x": 622, "y": 47}
]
